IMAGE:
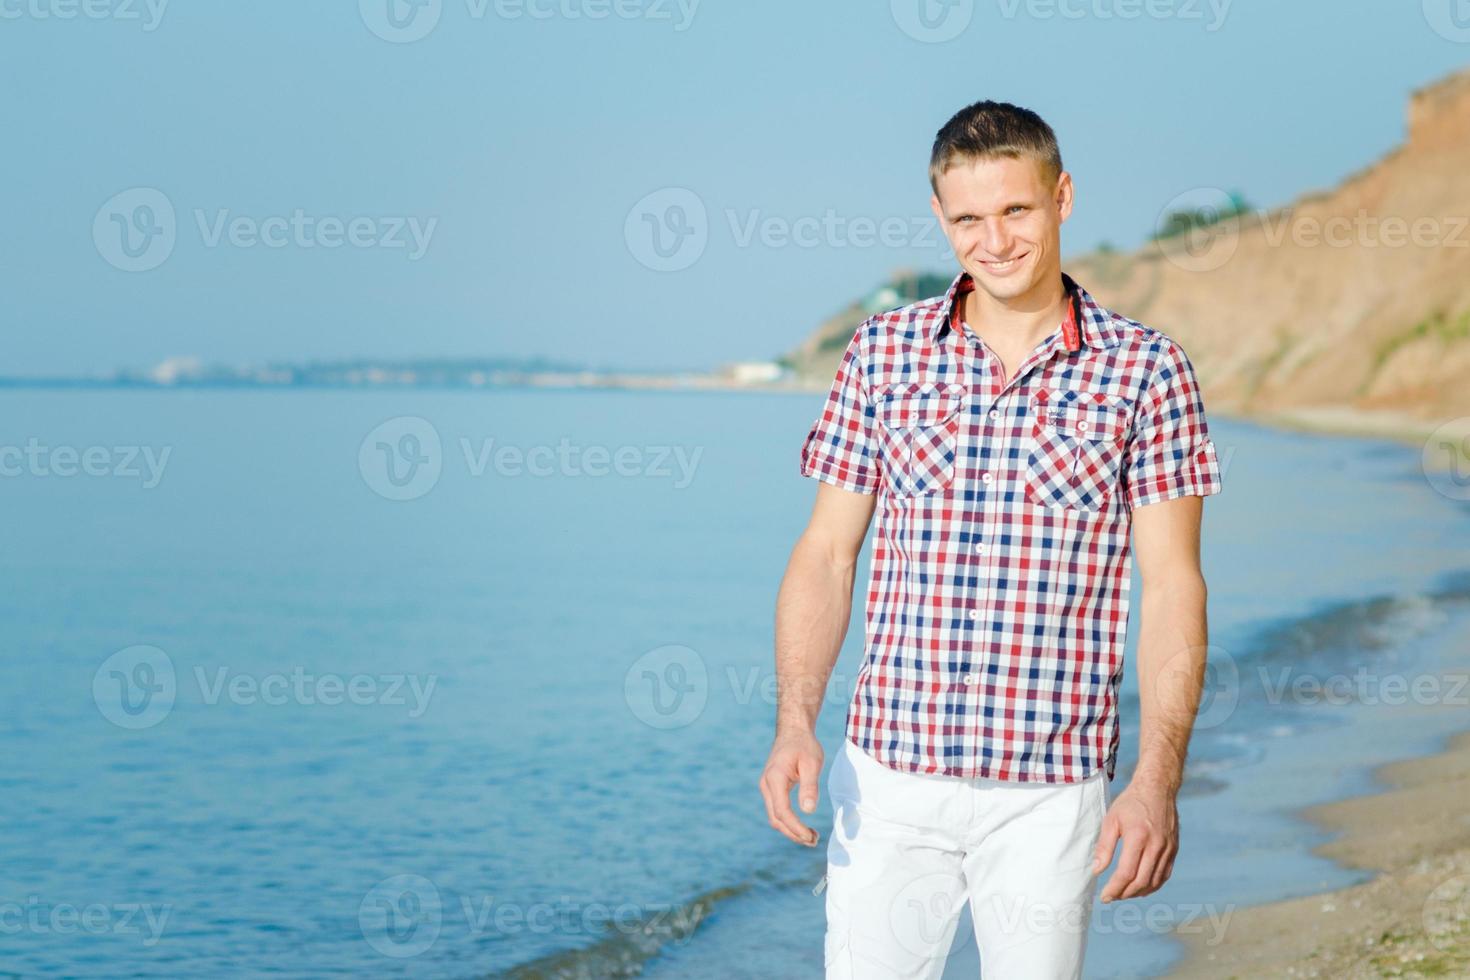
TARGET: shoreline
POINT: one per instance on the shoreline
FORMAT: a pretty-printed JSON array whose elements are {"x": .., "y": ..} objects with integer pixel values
[
  {"x": 1412, "y": 918},
  {"x": 1343, "y": 420},
  {"x": 1335, "y": 420}
]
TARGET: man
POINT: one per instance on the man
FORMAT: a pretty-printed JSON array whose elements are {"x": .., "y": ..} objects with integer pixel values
[{"x": 1010, "y": 434}]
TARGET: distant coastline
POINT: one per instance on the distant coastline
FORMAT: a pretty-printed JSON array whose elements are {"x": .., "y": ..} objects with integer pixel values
[
  {"x": 191, "y": 374},
  {"x": 754, "y": 376}
]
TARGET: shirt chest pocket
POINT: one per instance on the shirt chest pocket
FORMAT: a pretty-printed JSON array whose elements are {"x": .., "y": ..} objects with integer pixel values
[
  {"x": 918, "y": 435},
  {"x": 1075, "y": 448}
]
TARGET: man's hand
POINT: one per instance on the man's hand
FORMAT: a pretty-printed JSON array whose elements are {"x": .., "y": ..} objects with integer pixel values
[
  {"x": 796, "y": 759},
  {"x": 1145, "y": 817}
]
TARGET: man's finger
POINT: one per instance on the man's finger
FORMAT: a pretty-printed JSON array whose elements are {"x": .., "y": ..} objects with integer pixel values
[
  {"x": 1165, "y": 867},
  {"x": 809, "y": 770},
  {"x": 1144, "y": 876},
  {"x": 1102, "y": 854},
  {"x": 766, "y": 799},
  {"x": 770, "y": 792},
  {"x": 785, "y": 819},
  {"x": 1168, "y": 873},
  {"x": 1127, "y": 868}
]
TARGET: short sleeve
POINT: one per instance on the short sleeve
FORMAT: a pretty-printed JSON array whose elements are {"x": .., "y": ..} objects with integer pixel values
[
  {"x": 1171, "y": 453},
  {"x": 839, "y": 446}
]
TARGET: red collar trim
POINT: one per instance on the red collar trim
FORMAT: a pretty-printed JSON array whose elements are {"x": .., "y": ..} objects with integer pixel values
[{"x": 1071, "y": 333}]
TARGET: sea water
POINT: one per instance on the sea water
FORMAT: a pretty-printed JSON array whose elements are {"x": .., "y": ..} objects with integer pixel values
[{"x": 469, "y": 683}]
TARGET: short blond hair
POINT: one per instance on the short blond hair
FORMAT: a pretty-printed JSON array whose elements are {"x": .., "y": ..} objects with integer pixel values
[{"x": 986, "y": 130}]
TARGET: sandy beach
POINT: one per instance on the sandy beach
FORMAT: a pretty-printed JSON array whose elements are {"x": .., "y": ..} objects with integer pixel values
[{"x": 1411, "y": 920}]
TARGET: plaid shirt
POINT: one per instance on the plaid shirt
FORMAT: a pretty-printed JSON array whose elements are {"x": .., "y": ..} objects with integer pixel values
[{"x": 997, "y": 604}]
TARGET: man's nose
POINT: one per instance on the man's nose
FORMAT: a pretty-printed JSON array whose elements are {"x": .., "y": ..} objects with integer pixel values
[{"x": 996, "y": 239}]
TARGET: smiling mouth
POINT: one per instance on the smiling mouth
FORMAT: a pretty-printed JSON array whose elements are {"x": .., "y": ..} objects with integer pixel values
[{"x": 1005, "y": 266}]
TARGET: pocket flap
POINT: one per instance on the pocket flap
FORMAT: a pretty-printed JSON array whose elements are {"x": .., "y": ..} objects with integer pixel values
[
  {"x": 1080, "y": 414},
  {"x": 918, "y": 404}
]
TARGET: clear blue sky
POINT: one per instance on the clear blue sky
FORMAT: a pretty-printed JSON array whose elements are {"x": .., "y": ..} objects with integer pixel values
[{"x": 528, "y": 140}]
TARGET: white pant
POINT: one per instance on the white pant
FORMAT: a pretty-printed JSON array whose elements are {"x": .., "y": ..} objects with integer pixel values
[{"x": 908, "y": 850}]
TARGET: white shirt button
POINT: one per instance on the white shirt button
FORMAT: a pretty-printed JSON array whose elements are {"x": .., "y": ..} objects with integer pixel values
[
  {"x": 994, "y": 414},
  {"x": 968, "y": 678},
  {"x": 974, "y": 614},
  {"x": 980, "y": 548},
  {"x": 986, "y": 477},
  {"x": 1081, "y": 426}
]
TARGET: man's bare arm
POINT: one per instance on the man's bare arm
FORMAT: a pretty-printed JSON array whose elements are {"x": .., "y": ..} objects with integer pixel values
[
  {"x": 1171, "y": 668},
  {"x": 812, "y": 613}
]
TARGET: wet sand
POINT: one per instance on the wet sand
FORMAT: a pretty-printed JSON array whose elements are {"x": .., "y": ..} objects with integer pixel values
[{"x": 1411, "y": 920}]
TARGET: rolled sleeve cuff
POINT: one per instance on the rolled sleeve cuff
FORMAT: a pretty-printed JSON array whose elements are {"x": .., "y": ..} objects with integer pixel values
[
  {"x": 1196, "y": 475},
  {"x": 832, "y": 468}
]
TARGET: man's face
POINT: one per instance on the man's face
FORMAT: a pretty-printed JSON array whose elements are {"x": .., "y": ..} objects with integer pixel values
[{"x": 1004, "y": 223}]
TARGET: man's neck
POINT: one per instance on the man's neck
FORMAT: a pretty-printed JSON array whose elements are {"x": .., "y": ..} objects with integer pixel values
[{"x": 1019, "y": 325}]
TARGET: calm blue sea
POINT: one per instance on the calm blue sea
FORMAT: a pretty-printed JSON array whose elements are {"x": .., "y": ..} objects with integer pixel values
[{"x": 466, "y": 684}]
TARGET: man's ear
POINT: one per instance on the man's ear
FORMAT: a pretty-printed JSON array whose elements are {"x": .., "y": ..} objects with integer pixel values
[
  {"x": 1065, "y": 193},
  {"x": 934, "y": 206}
]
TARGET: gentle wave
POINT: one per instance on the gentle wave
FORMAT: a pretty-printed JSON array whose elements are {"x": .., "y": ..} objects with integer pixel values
[{"x": 623, "y": 953}]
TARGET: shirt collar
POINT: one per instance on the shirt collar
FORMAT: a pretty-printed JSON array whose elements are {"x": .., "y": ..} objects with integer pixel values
[{"x": 1092, "y": 322}]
